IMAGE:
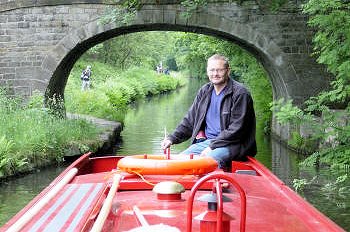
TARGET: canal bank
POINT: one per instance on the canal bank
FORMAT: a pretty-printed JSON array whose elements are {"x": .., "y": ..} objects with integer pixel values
[{"x": 105, "y": 144}]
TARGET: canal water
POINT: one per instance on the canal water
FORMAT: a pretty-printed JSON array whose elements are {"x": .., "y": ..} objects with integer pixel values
[{"x": 144, "y": 128}]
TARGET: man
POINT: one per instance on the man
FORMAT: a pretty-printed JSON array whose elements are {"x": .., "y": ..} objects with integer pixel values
[
  {"x": 223, "y": 109},
  {"x": 85, "y": 77}
]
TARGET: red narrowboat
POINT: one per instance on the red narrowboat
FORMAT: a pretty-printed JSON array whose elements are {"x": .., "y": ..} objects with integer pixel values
[{"x": 167, "y": 194}]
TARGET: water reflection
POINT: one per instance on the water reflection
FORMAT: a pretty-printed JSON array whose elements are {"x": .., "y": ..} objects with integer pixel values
[
  {"x": 16, "y": 193},
  {"x": 145, "y": 122},
  {"x": 284, "y": 162}
]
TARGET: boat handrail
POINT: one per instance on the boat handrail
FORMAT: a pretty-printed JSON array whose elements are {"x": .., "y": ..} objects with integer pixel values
[
  {"x": 217, "y": 176},
  {"x": 27, "y": 216},
  {"x": 107, "y": 205}
]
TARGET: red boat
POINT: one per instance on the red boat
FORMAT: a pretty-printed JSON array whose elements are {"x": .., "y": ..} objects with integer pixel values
[{"x": 93, "y": 195}]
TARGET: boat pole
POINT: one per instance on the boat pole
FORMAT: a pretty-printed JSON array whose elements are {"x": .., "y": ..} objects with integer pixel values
[
  {"x": 22, "y": 221},
  {"x": 167, "y": 150},
  {"x": 107, "y": 205},
  {"x": 140, "y": 217}
]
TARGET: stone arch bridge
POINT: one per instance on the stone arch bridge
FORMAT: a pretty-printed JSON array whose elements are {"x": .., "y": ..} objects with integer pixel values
[{"x": 41, "y": 40}]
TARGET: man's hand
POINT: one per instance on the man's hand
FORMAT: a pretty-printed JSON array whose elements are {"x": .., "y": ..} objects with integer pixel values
[
  {"x": 205, "y": 151},
  {"x": 166, "y": 143}
]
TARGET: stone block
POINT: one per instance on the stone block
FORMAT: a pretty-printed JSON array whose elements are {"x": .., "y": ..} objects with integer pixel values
[
  {"x": 5, "y": 38},
  {"x": 50, "y": 63},
  {"x": 8, "y": 76},
  {"x": 170, "y": 16},
  {"x": 4, "y": 64},
  {"x": 69, "y": 42}
]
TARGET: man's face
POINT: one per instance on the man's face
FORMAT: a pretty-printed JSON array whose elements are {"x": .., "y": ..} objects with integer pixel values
[{"x": 217, "y": 72}]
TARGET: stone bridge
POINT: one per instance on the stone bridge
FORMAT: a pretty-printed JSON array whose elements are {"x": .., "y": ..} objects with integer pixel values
[{"x": 40, "y": 40}]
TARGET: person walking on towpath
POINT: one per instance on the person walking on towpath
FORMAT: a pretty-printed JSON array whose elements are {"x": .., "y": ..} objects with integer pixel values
[
  {"x": 220, "y": 121},
  {"x": 85, "y": 78}
]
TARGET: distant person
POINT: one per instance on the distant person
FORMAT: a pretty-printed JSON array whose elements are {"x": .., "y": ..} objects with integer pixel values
[
  {"x": 158, "y": 69},
  {"x": 221, "y": 120},
  {"x": 85, "y": 78},
  {"x": 166, "y": 71}
]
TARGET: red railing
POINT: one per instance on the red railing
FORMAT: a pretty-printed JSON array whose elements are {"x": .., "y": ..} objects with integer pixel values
[{"x": 218, "y": 187}]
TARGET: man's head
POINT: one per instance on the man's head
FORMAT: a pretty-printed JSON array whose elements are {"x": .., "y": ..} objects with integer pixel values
[
  {"x": 218, "y": 70},
  {"x": 88, "y": 67}
]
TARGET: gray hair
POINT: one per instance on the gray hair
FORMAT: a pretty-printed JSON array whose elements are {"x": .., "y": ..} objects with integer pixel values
[{"x": 220, "y": 57}]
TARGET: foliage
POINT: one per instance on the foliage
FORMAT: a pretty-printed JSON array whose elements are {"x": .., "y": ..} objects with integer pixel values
[
  {"x": 121, "y": 14},
  {"x": 192, "y": 6},
  {"x": 30, "y": 135},
  {"x": 331, "y": 129},
  {"x": 331, "y": 19},
  {"x": 337, "y": 158},
  {"x": 300, "y": 184},
  {"x": 126, "y": 51},
  {"x": 287, "y": 112},
  {"x": 112, "y": 90},
  {"x": 337, "y": 186}
]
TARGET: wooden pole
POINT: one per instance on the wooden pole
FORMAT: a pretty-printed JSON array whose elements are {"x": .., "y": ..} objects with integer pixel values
[
  {"x": 107, "y": 205},
  {"x": 26, "y": 217}
]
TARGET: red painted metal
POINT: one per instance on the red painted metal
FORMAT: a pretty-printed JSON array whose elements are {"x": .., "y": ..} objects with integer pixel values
[
  {"x": 169, "y": 197},
  {"x": 208, "y": 221},
  {"x": 217, "y": 176},
  {"x": 270, "y": 204}
]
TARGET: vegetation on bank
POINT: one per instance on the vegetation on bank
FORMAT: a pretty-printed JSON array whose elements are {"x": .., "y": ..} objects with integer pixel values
[
  {"x": 328, "y": 113},
  {"x": 30, "y": 136},
  {"x": 112, "y": 89}
]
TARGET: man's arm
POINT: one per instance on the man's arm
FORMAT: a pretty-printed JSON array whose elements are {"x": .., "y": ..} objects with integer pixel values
[{"x": 185, "y": 129}]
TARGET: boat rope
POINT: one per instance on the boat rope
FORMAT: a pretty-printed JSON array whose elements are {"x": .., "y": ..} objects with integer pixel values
[
  {"x": 183, "y": 177},
  {"x": 143, "y": 178},
  {"x": 111, "y": 173}
]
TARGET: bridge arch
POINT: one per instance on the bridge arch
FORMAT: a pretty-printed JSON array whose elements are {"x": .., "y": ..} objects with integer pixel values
[{"x": 64, "y": 55}]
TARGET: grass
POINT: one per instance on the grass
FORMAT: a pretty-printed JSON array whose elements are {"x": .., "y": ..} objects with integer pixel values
[{"x": 31, "y": 136}]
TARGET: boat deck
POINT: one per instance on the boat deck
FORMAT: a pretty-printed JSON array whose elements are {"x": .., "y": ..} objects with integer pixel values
[{"x": 270, "y": 204}]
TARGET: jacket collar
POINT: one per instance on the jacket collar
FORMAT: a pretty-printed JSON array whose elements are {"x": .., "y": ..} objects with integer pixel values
[{"x": 229, "y": 87}]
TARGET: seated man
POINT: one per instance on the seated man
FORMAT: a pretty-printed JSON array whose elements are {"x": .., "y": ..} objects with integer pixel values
[{"x": 223, "y": 109}]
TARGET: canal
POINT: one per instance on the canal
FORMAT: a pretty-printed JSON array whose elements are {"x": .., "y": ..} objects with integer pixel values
[{"x": 143, "y": 132}]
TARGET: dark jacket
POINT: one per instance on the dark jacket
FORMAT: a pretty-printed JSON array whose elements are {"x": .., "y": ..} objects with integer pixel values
[{"x": 237, "y": 120}]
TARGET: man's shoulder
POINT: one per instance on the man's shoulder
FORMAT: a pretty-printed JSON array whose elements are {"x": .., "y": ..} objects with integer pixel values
[
  {"x": 238, "y": 87},
  {"x": 205, "y": 88}
]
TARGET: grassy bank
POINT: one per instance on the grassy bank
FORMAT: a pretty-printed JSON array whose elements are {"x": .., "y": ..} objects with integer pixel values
[
  {"x": 30, "y": 136},
  {"x": 112, "y": 90}
]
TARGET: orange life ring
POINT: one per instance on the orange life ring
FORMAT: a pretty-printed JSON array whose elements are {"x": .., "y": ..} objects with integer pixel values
[{"x": 160, "y": 165}]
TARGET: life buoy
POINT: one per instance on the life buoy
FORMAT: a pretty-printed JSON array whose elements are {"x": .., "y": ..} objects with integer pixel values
[{"x": 160, "y": 165}]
